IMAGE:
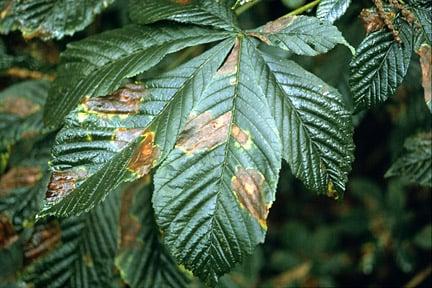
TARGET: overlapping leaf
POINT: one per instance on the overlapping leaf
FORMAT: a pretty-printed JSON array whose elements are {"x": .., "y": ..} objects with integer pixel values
[
  {"x": 49, "y": 18},
  {"x": 20, "y": 114},
  {"x": 379, "y": 66},
  {"x": 142, "y": 260},
  {"x": 217, "y": 125},
  {"x": 84, "y": 250},
  {"x": 331, "y": 10},
  {"x": 201, "y": 12},
  {"x": 301, "y": 35},
  {"x": 415, "y": 165},
  {"x": 96, "y": 66}
]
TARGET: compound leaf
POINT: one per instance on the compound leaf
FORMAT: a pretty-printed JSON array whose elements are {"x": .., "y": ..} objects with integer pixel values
[
  {"x": 213, "y": 191},
  {"x": 379, "y": 66},
  {"x": 201, "y": 12},
  {"x": 415, "y": 165},
  {"x": 331, "y": 10}
]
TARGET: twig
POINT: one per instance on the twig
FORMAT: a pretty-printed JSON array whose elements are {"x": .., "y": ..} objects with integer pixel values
[{"x": 304, "y": 8}]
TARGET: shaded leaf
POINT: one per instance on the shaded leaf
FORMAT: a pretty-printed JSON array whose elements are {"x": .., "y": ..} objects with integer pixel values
[
  {"x": 379, "y": 66},
  {"x": 85, "y": 255},
  {"x": 97, "y": 65},
  {"x": 201, "y": 12},
  {"x": 301, "y": 35},
  {"x": 142, "y": 260},
  {"x": 331, "y": 10},
  {"x": 415, "y": 165},
  {"x": 21, "y": 108},
  {"x": 49, "y": 18}
]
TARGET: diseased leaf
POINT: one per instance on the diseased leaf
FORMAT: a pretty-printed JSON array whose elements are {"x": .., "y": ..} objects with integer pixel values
[
  {"x": 379, "y": 66},
  {"x": 314, "y": 124},
  {"x": 331, "y": 10},
  {"x": 201, "y": 12},
  {"x": 97, "y": 65},
  {"x": 49, "y": 18},
  {"x": 425, "y": 54},
  {"x": 20, "y": 114},
  {"x": 301, "y": 35},
  {"x": 84, "y": 250},
  {"x": 423, "y": 16},
  {"x": 213, "y": 192},
  {"x": 142, "y": 260},
  {"x": 415, "y": 165},
  {"x": 109, "y": 140}
]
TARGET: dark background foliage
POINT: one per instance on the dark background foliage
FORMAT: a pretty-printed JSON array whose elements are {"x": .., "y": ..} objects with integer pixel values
[{"x": 378, "y": 235}]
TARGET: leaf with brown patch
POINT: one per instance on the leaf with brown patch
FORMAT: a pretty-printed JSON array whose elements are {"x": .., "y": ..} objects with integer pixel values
[
  {"x": 18, "y": 177},
  {"x": 44, "y": 239},
  {"x": 145, "y": 156},
  {"x": 62, "y": 183},
  {"x": 247, "y": 185},
  {"x": 125, "y": 100},
  {"x": 203, "y": 132},
  {"x": 8, "y": 236}
]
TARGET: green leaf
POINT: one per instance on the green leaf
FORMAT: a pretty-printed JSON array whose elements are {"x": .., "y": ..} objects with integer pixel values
[
  {"x": 109, "y": 140},
  {"x": 379, "y": 66},
  {"x": 49, "y": 19},
  {"x": 21, "y": 114},
  {"x": 415, "y": 165},
  {"x": 315, "y": 125},
  {"x": 331, "y": 10},
  {"x": 142, "y": 260},
  {"x": 424, "y": 238},
  {"x": 423, "y": 17},
  {"x": 97, "y": 65},
  {"x": 213, "y": 192},
  {"x": 301, "y": 35},
  {"x": 84, "y": 256},
  {"x": 201, "y": 12},
  {"x": 5, "y": 60}
]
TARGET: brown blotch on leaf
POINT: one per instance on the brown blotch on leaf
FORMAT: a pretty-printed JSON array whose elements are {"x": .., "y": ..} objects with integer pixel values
[
  {"x": 425, "y": 54},
  {"x": 44, "y": 239},
  {"x": 129, "y": 225},
  {"x": 19, "y": 106},
  {"x": 62, "y": 183},
  {"x": 183, "y": 2},
  {"x": 273, "y": 27},
  {"x": 19, "y": 177},
  {"x": 240, "y": 136},
  {"x": 229, "y": 67},
  {"x": 203, "y": 132},
  {"x": 248, "y": 185},
  {"x": 8, "y": 236},
  {"x": 278, "y": 24},
  {"x": 124, "y": 136},
  {"x": 125, "y": 100},
  {"x": 142, "y": 161}
]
